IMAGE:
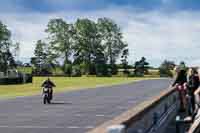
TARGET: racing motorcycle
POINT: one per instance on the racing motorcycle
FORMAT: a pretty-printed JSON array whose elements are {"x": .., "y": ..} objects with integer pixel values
[{"x": 47, "y": 95}]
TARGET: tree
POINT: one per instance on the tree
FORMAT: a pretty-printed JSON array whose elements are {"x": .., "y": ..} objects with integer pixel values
[
  {"x": 40, "y": 61},
  {"x": 6, "y": 58},
  {"x": 87, "y": 44},
  {"x": 100, "y": 63},
  {"x": 111, "y": 40},
  {"x": 61, "y": 40},
  {"x": 166, "y": 68},
  {"x": 16, "y": 50},
  {"x": 124, "y": 60},
  {"x": 141, "y": 67}
]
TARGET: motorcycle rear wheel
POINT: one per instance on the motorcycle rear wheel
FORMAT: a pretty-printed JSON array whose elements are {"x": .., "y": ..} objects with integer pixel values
[{"x": 49, "y": 101}]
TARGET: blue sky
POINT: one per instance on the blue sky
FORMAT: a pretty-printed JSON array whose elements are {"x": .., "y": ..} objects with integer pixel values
[
  {"x": 89, "y": 5},
  {"x": 157, "y": 29}
]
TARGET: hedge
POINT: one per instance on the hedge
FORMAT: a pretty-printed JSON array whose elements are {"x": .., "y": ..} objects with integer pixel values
[{"x": 16, "y": 80}]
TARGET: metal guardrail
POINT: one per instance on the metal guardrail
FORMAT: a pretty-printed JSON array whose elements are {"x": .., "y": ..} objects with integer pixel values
[{"x": 152, "y": 116}]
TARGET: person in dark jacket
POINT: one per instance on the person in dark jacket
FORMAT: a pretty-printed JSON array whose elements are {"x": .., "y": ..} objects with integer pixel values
[
  {"x": 181, "y": 75},
  {"x": 49, "y": 84},
  {"x": 192, "y": 86},
  {"x": 180, "y": 84}
]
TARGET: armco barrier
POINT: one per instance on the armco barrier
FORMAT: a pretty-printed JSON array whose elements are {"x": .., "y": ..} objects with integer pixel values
[{"x": 151, "y": 116}]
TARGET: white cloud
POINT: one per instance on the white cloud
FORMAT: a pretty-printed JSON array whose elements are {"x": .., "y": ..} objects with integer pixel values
[{"x": 156, "y": 35}]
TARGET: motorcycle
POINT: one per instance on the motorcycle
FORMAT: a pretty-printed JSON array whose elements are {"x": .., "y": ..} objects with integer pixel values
[{"x": 47, "y": 95}]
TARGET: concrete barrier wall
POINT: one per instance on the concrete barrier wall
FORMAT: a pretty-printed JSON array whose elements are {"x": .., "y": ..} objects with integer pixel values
[
  {"x": 195, "y": 126},
  {"x": 152, "y": 116},
  {"x": 156, "y": 116}
]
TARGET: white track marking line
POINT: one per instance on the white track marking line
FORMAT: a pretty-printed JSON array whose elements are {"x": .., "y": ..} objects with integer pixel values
[
  {"x": 121, "y": 107},
  {"x": 100, "y": 115},
  {"x": 89, "y": 127},
  {"x": 78, "y": 115},
  {"x": 39, "y": 127},
  {"x": 46, "y": 127},
  {"x": 73, "y": 127}
]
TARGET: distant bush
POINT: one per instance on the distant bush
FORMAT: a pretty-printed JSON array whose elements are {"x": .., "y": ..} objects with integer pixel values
[
  {"x": 165, "y": 69},
  {"x": 42, "y": 72},
  {"x": 67, "y": 69},
  {"x": 165, "y": 72},
  {"x": 76, "y": 71},
  {"x": 16, "y": 80},
  {"x": 102, "y": 70},
  {"x": 131, "y": 74}
]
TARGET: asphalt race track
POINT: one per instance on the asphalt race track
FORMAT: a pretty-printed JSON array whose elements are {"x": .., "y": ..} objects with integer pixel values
[{"x": 74, "y": 112}]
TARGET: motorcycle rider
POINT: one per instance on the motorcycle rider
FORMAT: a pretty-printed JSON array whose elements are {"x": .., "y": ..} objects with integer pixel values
[
  {"x": 49, "y": 84},
  {"x": 180, "y": 84}
]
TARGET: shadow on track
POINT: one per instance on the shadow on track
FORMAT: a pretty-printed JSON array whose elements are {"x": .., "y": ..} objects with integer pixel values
[{"x": 60, "y": 103}]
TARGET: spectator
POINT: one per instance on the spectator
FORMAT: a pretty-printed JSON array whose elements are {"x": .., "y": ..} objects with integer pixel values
[
  {"x": 180, "y": 84},
  {"x": 192, "y": 85},
  {"x": 197, "y": 93},
  {"x": 181, "y": 75}
]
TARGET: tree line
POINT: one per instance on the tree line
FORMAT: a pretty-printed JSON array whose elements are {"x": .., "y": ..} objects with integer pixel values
[{"x": 82, "y": 47}]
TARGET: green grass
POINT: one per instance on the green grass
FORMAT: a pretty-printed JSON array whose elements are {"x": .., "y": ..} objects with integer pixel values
[
  {"x": 62, "y": 84},
  {"x": 27, "y": 70}
]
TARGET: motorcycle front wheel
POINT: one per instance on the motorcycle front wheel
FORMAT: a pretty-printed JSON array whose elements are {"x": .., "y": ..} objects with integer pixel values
[{"x": 44, "y": 100}]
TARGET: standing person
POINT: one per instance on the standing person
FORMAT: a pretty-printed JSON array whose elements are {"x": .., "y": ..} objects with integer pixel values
[
  {"x": 180, "y": 84},
  {"x": 197, "y": 94},
  {"x": 181, "y": 74},
  {"x": 49, "y": 84},
  {"x": 192, "y": 85}
]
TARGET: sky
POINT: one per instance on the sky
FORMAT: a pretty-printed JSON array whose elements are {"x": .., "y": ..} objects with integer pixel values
[{"x": 156, "y": 29}]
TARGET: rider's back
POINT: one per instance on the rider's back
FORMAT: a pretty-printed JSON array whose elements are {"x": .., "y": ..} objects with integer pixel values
[{"x": 48, "y": 84}]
